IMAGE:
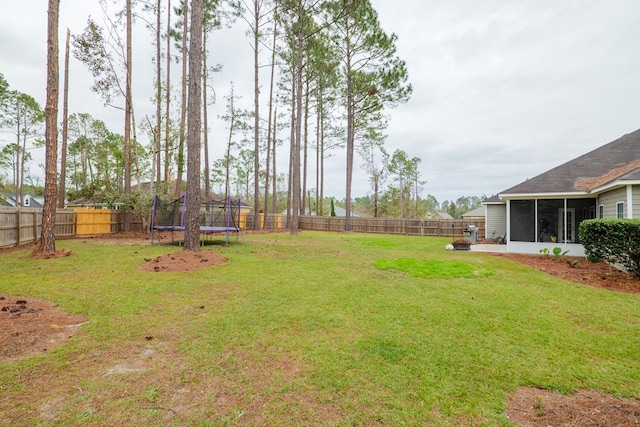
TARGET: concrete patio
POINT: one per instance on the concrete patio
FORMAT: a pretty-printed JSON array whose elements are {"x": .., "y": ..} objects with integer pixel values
[{"x": 488, "y": 248}]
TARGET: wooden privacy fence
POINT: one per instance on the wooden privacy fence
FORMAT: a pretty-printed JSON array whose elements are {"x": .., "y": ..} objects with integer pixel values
[
  {"x": 271, "y": 222},
  {"x": 413, "y": 227},
  {"x": 94, "y": 221},
  {"x": 23, "y": 225},
  {"x": 19, "y": 226},
  {"x": 91, "y": 222}
]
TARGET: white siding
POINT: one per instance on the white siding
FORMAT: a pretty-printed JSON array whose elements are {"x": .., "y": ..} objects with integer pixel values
[
  {"x": 636, "y": 201},
  {"x": 610, "y": 199},
  {"x": 574, "y": 249},
  {"x": 496, "y": 219}
]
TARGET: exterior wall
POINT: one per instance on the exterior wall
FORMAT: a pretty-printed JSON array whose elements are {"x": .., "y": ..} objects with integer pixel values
[
  {"x": 636, "y": 201},
  {"x": 496, "y": 219},
  {"x": 610, "y": 199},
  {"x": 574, "y": 249}
]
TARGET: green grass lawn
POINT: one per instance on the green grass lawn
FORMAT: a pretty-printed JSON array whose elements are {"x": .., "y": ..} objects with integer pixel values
[{"x": 330, "y": 329}]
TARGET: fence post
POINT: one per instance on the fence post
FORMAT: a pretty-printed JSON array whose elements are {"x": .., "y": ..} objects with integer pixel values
[
  {"x": 35, "y": 226},
  {"x": 17, "y": 226}
]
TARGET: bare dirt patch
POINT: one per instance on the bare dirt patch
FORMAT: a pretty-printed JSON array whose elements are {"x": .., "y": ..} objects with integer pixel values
[
  {"x": 182, "y": 261},
  {"x": 178, "y": 261},
  {"x": 51, "y": 255},
  {"x": 31, "y": 326},
  {"x": 533, "y": 407}
]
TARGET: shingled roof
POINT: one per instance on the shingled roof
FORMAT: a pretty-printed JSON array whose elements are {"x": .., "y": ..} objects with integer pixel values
[{"x": 617, "y": 160}]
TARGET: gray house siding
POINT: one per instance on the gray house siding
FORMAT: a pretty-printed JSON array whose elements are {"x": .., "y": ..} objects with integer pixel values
[
  {"x": 636, "y": 201},
  {"x": 496, "y": 220},
  {"x": 610, "y": 200}
]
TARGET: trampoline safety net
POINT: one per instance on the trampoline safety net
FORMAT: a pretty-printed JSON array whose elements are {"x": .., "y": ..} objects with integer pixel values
[
  {"x": 168, "y": 214},
  {"x": 221, "y": 214},
  {"x": 215, "y": 216}
]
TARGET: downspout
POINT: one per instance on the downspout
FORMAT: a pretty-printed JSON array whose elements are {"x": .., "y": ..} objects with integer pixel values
[
  {"x": 629, "y": 201},
  {"x": 564, "y": 222},
  {"x": 508, "y": 239},
  {"x": 535, "y": 219},
  {"x": 486, "y": 222}
]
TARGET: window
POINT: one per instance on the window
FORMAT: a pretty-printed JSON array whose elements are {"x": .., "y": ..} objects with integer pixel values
[
  {"x": 547, "y": 214},
  {"x": 601, "y": 211},
  {"x": 620, "y": 210},
  {"x": 582, "y": 209},
  {"x": 522, "y": 219}
]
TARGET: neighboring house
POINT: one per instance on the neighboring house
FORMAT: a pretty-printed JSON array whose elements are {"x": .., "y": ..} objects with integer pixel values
[
  {"x": 440, "y": 215},
  {"x": 477, "y": 213},
  {"x": 30, "y": 200},
  {"x": 546, "y": 211},
  {"x": 342, "y": 212}
]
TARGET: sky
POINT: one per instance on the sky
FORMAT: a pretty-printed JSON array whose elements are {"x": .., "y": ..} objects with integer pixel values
[{"x": 503, "y": 90}]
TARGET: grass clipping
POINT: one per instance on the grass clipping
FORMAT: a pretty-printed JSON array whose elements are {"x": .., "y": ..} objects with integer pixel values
[{"x": 433, "y": 268}]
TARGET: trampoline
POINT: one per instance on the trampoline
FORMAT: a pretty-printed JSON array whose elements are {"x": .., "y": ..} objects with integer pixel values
[{"x": 215, "y": 217}]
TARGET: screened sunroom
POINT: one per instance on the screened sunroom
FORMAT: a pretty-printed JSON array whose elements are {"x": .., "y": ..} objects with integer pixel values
[{"x": 534, "y": 224}]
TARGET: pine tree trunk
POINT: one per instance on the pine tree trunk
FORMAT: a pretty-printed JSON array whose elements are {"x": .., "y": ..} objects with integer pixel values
[
  {"x": 274, "y": 181},
  {"x": 205, "y": 121},
  {"x": 266, "y": 179},
  {"x": 167, "y": 126},
  {"x": 156, "y": 133},
  {"x": 65, "y": 118},
  {"x": 292, "y": 144},
  {"x": 305, "y": 148},
  {"x": 290, "y": 178},
  {"x": 192, "y": 215},
  {"x": 47, "y": 242},
  {"x": 183, "y": 108},
  {"x": 350, "y": 143},
  {"x": 270, "y": 141},
  {"x": 318, "y": 154},
  {"x": 127, "y": 122},
  {"x": 299, "y": 85},
  {"x": 322, "y": 156},
  {"x": 256, "y": 123}
]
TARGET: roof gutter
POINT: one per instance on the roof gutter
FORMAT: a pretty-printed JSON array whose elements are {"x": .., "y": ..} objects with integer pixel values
[
  {"x": 559, "y": 195},
  {"x": 615, "y": 184}
]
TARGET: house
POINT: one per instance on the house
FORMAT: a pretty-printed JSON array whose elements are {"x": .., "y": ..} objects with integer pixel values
[
  {"x": 477, "y": 213},
  {"x": 340, "y": 212},
  {"x": 546, "y": 211},
  {"x": 441, "y": 215},
  {"x": 29, "y": 200}
]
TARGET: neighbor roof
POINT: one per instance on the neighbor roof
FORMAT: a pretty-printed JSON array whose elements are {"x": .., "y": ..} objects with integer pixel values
[
  {"x": 477, "y": 212},
  {"x": 617, "y": 160}
]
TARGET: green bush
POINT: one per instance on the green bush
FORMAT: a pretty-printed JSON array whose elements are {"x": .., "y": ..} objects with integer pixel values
[{"x": 615, "y": 241}]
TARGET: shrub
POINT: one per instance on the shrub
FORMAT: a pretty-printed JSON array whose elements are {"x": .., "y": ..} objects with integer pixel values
[
  {"x": 615, "y": 241},
  {"x": 559, "y": 253}
]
